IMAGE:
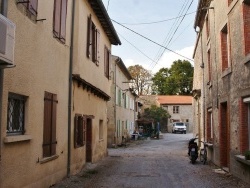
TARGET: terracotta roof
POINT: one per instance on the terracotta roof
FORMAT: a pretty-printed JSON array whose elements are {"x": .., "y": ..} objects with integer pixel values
[{"x": 174, "y": 99}]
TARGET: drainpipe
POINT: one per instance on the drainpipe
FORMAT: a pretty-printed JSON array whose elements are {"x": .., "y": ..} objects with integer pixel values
[
  {"x": 4, "y": 7},
  {"x": 115, "y": 102},
  {"x": 70, "y": 86},
  {"x": 203, "y": 87}
]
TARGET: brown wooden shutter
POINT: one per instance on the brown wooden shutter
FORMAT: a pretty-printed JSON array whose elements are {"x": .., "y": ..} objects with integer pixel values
[
  {"x": 33, "y": 6},
  {"x": 53, "y": 126},
  {"x": 49, "y": 129},
  {"x": 57, "y": 13},
  {"x": 63, "y": 20},
  {"x": 47, "y": 123},
  {"x": 109, "y": 64},
  {"x": 84, "y": 130},
  {"x": 76, "y": 131},
  {"x": 89, "y": 37},
  {"x": 97, "y": 51},
  {"x": 80, "y": 129},
  {"x": 93, "y": 44}
]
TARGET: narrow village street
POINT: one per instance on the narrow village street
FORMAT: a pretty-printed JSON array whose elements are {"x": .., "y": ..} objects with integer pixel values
[{"x": 152, "y": 163}]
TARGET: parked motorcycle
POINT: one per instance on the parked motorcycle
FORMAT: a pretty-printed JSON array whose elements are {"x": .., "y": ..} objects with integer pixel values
[{"x": 193, "y": 150}]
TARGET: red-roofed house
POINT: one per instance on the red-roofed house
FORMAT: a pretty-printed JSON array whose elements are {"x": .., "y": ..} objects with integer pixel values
[{"x": 179, "y": 107}]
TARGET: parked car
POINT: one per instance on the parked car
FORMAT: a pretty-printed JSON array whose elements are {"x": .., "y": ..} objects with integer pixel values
[{"x": 179, "y": 127}]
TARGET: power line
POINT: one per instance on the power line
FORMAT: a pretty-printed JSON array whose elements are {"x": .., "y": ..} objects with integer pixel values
[
  {"x": 152, "y": 41},
  {"x": 136, "y": 48},
  {"x": 174, "y": 33},
  {"x": 167, "y": 38},
  {"x": 160, "y": 21}
]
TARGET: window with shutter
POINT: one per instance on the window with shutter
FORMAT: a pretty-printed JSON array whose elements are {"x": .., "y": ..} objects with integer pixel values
[
  {"x": 106, "y": 61},
  {"x": 60, "y": 15},
  {"x": 31, "y": 5},
  {"x": 80, "y": 131},
  {"x": 93, "y": 42},
  {"x": 49, "y": 129}
]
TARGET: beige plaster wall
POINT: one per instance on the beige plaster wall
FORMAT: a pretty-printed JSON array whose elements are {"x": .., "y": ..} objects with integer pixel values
[{"x": 41, "y": 65}]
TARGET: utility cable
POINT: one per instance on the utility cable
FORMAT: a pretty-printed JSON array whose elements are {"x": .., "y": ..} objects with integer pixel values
[
  {"x": 160, "y": 21},
  {"x": 173, "y": 34},
  {"x": 152, "y": 41},
  {"x": 136, "y": 48},
  {"x": 161, "y": 50}
]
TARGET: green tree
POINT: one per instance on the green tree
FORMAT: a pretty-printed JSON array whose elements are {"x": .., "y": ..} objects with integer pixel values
[
  {"x": 158, "y": 114},
  {"x": 176, "y": 80},
  {"x": 142, "y": 79}
]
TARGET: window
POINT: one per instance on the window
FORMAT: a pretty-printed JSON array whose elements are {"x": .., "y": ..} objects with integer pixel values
[
  {"x": 207, "y": 26},
  {"x": 15, "y": 114},
  {"x": 244, "y": 124},
  {"x": 176, "y": 109},
  {"x": 100, "y": 129},
  {"x": 80, "y": 131},
  {"x": 107, "y": 57},
  {"x": 209, "y": 125},
  {"x": 225, "y": 48},
  {"x": 59, "y": 24},
  {"x": 209, "y": 65},
  {"x": 49, "y": 128},
  {"x": 31, "y": 5},
  {"x": 93, "y": 42},
  {"x": 246, "y": 26}
]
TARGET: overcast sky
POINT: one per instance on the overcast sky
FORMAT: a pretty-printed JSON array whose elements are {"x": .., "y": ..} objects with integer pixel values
[{"x": 172, "y": 30}]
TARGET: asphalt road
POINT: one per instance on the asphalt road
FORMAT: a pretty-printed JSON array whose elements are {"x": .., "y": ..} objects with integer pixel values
[{"x": 151, "y": 164}]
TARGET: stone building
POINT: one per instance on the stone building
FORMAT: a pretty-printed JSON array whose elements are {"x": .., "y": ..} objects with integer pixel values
[
  {"x": 53, "y": 115},
  {"x": 221, "y": 82},
  {"x": 122, "y": 107},
  {"x": 179, "y": 108}
]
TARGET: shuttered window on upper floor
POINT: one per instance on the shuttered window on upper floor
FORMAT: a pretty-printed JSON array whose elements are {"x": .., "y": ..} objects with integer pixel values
[
  {"x": 107, "y": 57},
  {"x": 59, "y": 20},
  {"x": 93, "y": 42},
  {"x": 31, "y": 5}
]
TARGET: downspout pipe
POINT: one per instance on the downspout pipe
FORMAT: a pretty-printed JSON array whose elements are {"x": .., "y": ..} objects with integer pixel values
[
  {"x": 4, "y": 8},
  {"x": 70, "y": 85}
]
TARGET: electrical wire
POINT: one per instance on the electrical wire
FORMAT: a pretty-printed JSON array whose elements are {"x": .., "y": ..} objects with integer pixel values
[
  {"x": 167, "y": 38},
  {"x": 152, "y": 41},
  {"x": 173, "y": 34},
  {"x": 160, "y": 21},
  {"x": 136, "y": 47}
]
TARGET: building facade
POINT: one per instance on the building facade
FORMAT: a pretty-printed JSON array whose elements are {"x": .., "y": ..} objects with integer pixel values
[
  {"x": 122, "y": 108},
  {"x": 54, "y": 101},
  {"x": 222, "y": 94},
  {"x": 179, "y": 108}
]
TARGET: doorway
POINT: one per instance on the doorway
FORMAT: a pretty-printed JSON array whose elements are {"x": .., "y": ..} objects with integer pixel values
[{"x": 224, "y": 135}]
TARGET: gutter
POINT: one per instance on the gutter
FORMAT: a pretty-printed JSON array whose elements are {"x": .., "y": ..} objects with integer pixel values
[
  {"x": 70, "y": 86},
  {"x": 4, "y": 7}
]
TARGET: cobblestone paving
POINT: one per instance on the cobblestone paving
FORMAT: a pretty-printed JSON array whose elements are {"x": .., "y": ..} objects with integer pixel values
[{"x": 151, "y": 163}]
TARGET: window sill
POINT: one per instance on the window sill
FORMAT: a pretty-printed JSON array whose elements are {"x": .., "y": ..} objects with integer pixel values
[
  {"x": 17, "y": 138},
  {"x": 226, "y": 72},
  {"x": 241, "y": 158},
  {"x": 47, "y": 159}
]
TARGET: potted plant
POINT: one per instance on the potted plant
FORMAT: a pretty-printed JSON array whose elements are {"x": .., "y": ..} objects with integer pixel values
[{"x": 247, "y": 155}]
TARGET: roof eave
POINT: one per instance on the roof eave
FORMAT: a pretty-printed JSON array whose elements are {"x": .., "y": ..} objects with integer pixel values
[{"x": 103, "y": 17}]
